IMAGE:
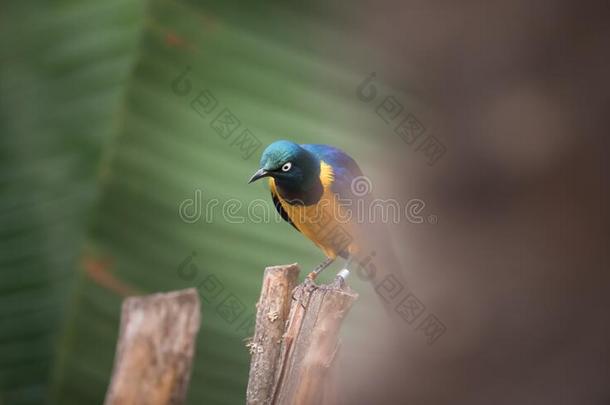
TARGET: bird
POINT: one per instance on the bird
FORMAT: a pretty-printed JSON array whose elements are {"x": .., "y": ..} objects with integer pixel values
[{"x": 312, "y": 188}]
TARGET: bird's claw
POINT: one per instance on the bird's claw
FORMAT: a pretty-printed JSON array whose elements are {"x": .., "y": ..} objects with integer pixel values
[
  {"x": 309, "y": 284},
  {"x": 339, "y": 283}
]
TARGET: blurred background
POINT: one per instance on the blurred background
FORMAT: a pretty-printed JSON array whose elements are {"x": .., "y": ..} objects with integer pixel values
[{"x": 128, "y": 128}]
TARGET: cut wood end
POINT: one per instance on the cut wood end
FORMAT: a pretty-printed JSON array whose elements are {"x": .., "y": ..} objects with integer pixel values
[
  {"x": 186, "y": 296},
  {"x": 290, "y": 269},
  {"x": 332, "y": 287}
]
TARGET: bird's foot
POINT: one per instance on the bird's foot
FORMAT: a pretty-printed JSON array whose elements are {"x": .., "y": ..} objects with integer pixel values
[
  {"x": 340, "y": 281},
  {"x": 309, "y": 284}
]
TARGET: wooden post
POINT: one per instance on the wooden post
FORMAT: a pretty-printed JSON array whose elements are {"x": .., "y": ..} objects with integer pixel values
[
  {"x": 301, "y": 368},
  {"x": 155, "y": 349},
  {"x": 272, "y": 312}
]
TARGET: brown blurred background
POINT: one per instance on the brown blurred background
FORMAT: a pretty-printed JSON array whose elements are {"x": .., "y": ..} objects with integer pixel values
[{"x": 517, "y": 267}]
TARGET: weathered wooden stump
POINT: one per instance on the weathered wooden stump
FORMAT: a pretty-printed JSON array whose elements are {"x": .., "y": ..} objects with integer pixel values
[
  {"x": 155, "y": 349},
  {"x": 296, "y": 339}
]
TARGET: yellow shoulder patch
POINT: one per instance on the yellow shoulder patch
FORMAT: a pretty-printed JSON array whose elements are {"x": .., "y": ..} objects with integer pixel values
[{"x": 327, "y": 176}]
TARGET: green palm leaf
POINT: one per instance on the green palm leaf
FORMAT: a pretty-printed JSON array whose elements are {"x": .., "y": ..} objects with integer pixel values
[
  {"x": 172, "y": 211},
  {"x": 166, "y": 153},
  {"x": 61, "y": 76}
]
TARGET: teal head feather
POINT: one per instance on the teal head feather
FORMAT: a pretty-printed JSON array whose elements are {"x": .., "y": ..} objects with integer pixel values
[{"x": 292, "y": 167}]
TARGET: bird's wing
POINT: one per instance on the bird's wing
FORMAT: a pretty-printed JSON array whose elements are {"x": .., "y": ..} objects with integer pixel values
[
  {"x": 280, "y": 209},
  {"x": 334, "y": 157},
  {"x": 345, "y": 169},
  {"x": 376, "y": 238}
]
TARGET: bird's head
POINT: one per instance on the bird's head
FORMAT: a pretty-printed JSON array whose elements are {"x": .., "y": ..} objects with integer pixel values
[{"x": 290, "y": 165}]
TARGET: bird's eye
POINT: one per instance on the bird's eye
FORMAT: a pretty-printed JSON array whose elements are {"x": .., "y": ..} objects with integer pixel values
[{"x": 287, "y": 166}]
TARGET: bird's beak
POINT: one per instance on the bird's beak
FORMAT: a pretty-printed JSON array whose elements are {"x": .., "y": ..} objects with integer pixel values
[{"x": 260, "y": 173}]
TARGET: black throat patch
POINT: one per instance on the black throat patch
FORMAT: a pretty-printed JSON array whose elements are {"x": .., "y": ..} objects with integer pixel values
[{"x": 298, "y": 196}]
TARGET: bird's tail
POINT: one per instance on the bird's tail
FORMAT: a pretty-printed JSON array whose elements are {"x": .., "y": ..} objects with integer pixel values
[{"x": 378, "y": 263}]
